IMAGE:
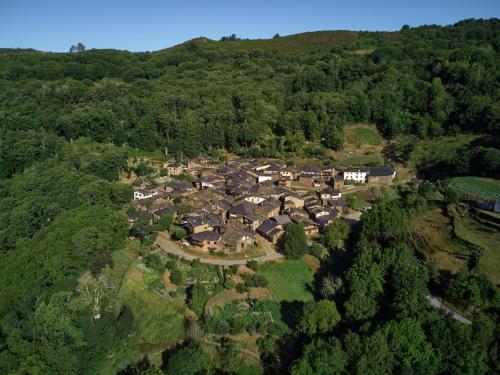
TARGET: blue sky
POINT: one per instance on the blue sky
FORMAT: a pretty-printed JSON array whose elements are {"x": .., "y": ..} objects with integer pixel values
[{"x": 142, "y": 25}]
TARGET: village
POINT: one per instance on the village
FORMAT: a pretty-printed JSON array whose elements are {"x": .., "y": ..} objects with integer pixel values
[{"x": 242, "y": 203}]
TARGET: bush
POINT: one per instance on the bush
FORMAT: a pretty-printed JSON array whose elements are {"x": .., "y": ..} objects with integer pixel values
[
  {"x": 295, "y": 242},
  {"x": 318, "y": 250},
  {"x": 176, "y": 276},
  {"x": 257, "y": 280},
  {"x": 229, "y": 284},
  {"x": 241, "y": 288},
  {"x": 153, "y": 261},
  {"x": 253, "y": 265},
  {"x": 179, "y": 233}
]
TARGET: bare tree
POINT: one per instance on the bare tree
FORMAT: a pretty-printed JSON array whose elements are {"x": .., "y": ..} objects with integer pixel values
[
  {"x": 94, "y": 290},
  {"x": 330, "y": 286}
]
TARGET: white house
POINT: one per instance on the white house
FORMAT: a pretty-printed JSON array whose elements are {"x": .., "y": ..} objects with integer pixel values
[
  {"x": 262, "y": 178},
  {"x": 144, "y": 194},
  {"x": 255, "y": 199},
  {"x": 356, "y": 174}
]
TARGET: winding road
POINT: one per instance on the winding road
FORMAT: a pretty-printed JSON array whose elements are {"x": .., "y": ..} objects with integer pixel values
[
  {"x": 437, "y": 304},
  {"x": 170, "y": 247}
]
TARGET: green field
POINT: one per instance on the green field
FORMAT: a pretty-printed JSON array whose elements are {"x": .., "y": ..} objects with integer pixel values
[
  {"x": 362, "y": 135},
  {"x": 487, "y": 237},
  {"x": 430, "y": 148},
  {"x": 477, "y": 187},
  {"x": 290, "y": 280},
  {"x": 446, "y": 240},
  {"x": 158, "y": 320}
]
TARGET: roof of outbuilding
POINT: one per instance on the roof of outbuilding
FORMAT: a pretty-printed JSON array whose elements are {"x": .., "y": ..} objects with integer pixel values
[
  {"x": 206, "y": 236},
  {"x": 381, "y": 171}
]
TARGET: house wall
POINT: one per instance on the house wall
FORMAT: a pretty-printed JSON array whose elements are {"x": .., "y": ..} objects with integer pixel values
[
  {"x": 355, "y": 176},
  {"x": 383, "y": 180}
]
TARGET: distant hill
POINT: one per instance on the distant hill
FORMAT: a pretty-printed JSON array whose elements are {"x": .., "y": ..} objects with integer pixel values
[
  {"x": 307, "y": 40},
  {"x": 18, "y": 50}
]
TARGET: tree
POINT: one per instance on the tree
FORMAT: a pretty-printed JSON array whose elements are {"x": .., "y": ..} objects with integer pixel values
[
  {"x": 295, "y": 242},
  {"x": 180, "y": 233},
  {"x": 57, "y": 338},
  {"x": 176, "y": 276},
  {"x": 330, "y": 286},
  {"x": 451, "y": 195},
  {"x": 335, "y": 234},
  {"x": 319, "y": 317},
  {"x": 165, "y": 221},
  {"x": 321, "y": 357},
  {"x": 190, "y": 359},
  {"x": 95, "y": 290},
  {"x": 318, "y": 250},
  {"x": 198, "y": 296}
]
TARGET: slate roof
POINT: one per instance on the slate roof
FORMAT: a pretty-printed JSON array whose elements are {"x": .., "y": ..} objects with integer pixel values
[
  {"x": 134, "y": 216},
  {"x": 282, "y": 219},
  {"x": 267, "y": 226},
  {"x": 337, "y": 203},
  {"x": 206, "y": 236},
  {"x": 330, "y": 190},
  {"x": 381, "y": 171},
  {"x": 181, "y": 186}
]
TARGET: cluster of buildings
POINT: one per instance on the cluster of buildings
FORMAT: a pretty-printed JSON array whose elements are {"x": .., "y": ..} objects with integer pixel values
[{"x": 234, "y": 204}]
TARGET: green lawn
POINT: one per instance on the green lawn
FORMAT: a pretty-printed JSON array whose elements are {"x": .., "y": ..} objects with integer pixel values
[
  {"x": 363, "y": 135},
  {"x": 158, "y": 320},
  {"x": 356, "y": 200},
  {"x": 289, "y": 280},
  {"x": 484, "y": 236},
  {"x": 429, "y": 148},
  {"x": 477, "y": 187},
  {"x": 367, "y": 159}
]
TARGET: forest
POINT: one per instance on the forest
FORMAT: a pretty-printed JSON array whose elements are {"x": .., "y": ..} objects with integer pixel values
[{"x": 69, "y": 123}]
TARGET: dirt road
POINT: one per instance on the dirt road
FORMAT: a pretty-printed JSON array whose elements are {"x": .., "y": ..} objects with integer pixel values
[{"x": 170, "y": 247}]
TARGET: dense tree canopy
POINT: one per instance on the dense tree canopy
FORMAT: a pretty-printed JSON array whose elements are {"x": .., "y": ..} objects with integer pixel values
[{"x": 427, "y": 81}]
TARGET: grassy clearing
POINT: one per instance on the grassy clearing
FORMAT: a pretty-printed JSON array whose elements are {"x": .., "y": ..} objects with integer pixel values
[
  {"x": 432, "y": 234},
  {"x": 223, "y": 298},
  {"x": 362, "y": 146},
  {"x": 357, "y": 200},
  {"x": 484, "y": 188},
  {"x": 430, "y": 148},
  {"x": 360, "y": 135},
  {"x": 158, "y": 321},
  {"x": 289, "y": 280},
  {"x": 488, "y": 238}
]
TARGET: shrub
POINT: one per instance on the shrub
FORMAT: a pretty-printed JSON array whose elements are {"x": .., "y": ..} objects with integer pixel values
[
  {"x": 179, "y": 233},
  {"x": 318, "y": 250},
  {"x": 176, "y": 276},
  {"x": 253, "y": 265},
  {"x": 255, "y": 281},
  {"x": 241, "y": 288},
  {"x": 153, "y": 261}
]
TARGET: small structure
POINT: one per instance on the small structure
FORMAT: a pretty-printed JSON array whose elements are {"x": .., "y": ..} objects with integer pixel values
[
  {"x": 174, "y": 169},
  {"x": 144, "y": 194},
  {"x": 381, "y": 175},
  {"x": 207, "y": 240},
  {"x": 236, "y": 238},
  {"x": 329, "y": 193},
  {"x": 271, "y": 231},
  {"x": 337, "y": 182},
  {"x": 196, "y": 224},
  {"x": 359, "y": 175}
]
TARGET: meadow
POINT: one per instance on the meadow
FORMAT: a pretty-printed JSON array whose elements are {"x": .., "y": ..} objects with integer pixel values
[{"x": 290, "y": 280}]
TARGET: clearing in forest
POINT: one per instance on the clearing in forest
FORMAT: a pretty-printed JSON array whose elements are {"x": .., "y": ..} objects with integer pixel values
[{"x": 289, "y": 280}]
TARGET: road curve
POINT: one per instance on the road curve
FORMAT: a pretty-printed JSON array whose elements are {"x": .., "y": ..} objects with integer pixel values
[
  {"x": 171, "y": 247},
  {"x": 438, "y": 304}
]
